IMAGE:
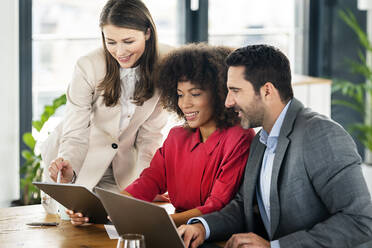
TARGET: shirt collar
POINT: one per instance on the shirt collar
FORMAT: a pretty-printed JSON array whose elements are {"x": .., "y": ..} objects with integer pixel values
[
  {"x": 210, "y": 144},
  {"x": 271, "y": 140},
  {"x": 129, "y": 72}
]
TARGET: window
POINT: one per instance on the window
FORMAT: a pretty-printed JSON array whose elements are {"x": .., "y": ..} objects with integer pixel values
[
  {"x": 244, "y": 22},
  {"x": 165, "y": 15},
  {"x": 62, "y": 32}
]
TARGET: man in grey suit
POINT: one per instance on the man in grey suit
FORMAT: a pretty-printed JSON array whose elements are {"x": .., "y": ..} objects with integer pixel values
[{"x": 303, "y": 185}]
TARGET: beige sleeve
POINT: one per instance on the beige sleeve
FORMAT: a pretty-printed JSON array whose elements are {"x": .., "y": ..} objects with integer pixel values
[{"x": 74, "y": 138}]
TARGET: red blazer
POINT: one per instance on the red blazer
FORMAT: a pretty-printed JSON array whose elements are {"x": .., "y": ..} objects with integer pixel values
[{"x": 196, "y": 175}]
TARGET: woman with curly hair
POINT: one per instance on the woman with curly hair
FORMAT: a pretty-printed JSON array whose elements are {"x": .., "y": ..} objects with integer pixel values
[{"x": 202, "y": 162}]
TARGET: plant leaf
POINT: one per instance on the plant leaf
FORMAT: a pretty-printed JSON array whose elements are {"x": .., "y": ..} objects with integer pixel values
[
  {"x": 348, "y": 104},
  {"x": 37, "y": 125},
  {"x": 29, "y": 140},
  {"x": 26, "y": 154}
]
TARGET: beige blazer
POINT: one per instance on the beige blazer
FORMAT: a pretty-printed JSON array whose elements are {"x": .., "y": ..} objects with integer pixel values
[{"x": 89, "y": 135}]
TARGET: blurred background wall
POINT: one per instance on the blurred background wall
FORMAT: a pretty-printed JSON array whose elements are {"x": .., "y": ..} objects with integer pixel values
[{"x": 9, "y": 102}]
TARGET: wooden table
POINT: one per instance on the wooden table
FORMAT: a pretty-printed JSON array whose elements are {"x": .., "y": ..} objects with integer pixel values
[{"x": 15, "y": 233}]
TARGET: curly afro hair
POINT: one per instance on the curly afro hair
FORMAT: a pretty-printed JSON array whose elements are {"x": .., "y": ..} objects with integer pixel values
[{"x": 204, "y": 66}]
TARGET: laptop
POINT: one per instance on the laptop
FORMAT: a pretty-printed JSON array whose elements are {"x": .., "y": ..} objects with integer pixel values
[
  {"x": 130, "y": 215},
  {"x": 77, "y": 198}
]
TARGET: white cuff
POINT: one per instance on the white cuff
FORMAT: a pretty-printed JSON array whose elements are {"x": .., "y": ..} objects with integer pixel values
[
  {"x": 205, "y": 224},
  {"x": 275, "y": 244}
]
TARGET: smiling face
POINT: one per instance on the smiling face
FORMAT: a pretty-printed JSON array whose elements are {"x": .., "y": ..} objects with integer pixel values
[
  {"x": 243, "y": 98},
  {"x": 125, "y": 45},
  {"x": 196, "y": 105}
]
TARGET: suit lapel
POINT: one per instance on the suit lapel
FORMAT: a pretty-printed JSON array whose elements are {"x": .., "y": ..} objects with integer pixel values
[
  {"x": 281, "y": 148},
  {"x": 141, "y": 112},
  {"x": 252, "y": 173},
  {"x": 107, "y": 119},
  {"x": 253, "y": 168}
]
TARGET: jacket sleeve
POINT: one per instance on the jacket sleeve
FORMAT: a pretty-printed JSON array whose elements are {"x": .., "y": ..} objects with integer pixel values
[
  {"x": 76, "y": 122},
  {"x": 333, "y": 165},
  {"x": 228, "y": 180},
  {"x": 150, "y": 137},
  {"x": 228, "y": 220}
]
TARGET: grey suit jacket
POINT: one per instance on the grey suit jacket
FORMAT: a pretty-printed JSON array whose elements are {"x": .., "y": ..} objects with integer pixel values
[{"x": 318, "y": 196}]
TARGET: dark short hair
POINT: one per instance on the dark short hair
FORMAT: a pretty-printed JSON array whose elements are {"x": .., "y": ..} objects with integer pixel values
[
  {"x": 204, "y": 66},
  {"x": 264, "y": 63}
]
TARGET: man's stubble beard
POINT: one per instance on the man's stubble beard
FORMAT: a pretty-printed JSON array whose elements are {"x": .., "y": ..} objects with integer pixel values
[
  {"x": 244, "y": 122},
  {"x": 252, "y": 121}
]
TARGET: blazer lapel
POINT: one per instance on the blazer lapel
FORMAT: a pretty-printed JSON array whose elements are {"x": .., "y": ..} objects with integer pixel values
[
  {"x": 250, "y": 179},
  {"x": 141, "y": 113},
  {"x": 274, "y": 197},
  {"x": 253, "y": 168},
  {"x": 281, "y": 148},
  {"x": 107, "y": 118}
]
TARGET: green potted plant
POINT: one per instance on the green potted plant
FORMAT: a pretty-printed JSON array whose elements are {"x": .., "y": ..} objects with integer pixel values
[
  {"x": 31, "y": 170},
  {"x": 359, "y": 94}
]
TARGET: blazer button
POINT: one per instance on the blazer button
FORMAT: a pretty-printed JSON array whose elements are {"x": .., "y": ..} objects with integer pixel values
[{"x": 114, "y": 145}]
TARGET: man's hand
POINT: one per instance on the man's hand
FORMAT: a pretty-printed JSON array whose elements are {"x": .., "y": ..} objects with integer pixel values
[
  {"x": 247, "y": 240},
  {"x": 193, "y": 235}
]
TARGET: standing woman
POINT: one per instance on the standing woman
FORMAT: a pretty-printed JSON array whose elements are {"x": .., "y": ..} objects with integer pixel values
[{"x": 113, "y": 118}]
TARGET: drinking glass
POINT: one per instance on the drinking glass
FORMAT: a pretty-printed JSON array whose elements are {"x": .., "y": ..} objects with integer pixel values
[
  {"x": 131, "y": 241},
  {"x": 62, "y": 212}
]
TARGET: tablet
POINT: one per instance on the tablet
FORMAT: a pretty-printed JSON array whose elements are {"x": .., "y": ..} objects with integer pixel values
[{"x": 77, "y": 198}]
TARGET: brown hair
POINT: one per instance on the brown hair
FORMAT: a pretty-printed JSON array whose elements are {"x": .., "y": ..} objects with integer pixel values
[
  {"x": 204, "y": 66},
  {"x": 131, "y": 14}
]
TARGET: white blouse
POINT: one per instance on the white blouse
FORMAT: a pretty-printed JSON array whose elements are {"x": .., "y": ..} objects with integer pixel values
[{"x": 128, "y": 77}]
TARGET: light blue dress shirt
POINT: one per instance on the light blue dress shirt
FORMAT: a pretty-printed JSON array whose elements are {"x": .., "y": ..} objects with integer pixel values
[{"x": 263, "y": 187}]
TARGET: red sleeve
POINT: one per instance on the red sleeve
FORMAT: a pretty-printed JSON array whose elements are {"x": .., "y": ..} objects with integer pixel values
[
  {"x": 152, "y": 180},
  {"x": 231, "y": 172}
]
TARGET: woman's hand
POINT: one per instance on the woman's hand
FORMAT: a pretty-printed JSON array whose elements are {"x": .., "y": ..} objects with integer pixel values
[
  {"x": 77, "y": 219},
  {"x": 162, "y": 198},
  {"x": 59, "y": 164}
]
